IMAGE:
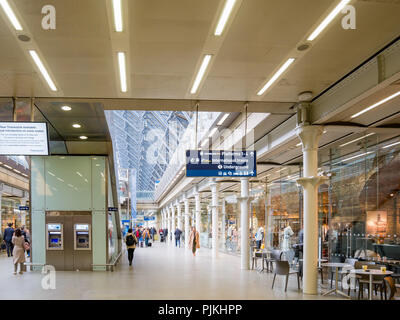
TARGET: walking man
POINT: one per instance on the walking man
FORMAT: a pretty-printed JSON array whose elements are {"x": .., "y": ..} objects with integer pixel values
[
  {"x": 177, "y": 234},
  {"x": 8, "y": 234}
]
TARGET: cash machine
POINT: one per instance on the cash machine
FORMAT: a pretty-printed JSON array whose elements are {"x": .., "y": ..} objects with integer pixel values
[
  {"x": 54, "y": 236},
  {"x": 82, "y": 236}
]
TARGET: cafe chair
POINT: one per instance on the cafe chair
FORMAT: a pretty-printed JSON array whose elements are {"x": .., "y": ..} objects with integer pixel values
[
  {"x": 391, "y": 288},
  {"x": 282, "y": 268},
  {"x": 377, "y": 282},
  {"x": 255, "y": 257}
]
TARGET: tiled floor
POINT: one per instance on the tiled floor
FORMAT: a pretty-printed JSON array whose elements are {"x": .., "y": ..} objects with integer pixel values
[{"x": 159, "y": 272}]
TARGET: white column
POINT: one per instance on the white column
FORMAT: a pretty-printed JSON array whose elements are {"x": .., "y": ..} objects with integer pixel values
[
  {"x": 187, "y": 233},
  {"x": 169, "y": 225},
  {"x": 173, "y": 224},
  {"x": 179, "y": 216},
  {"x": 244, "y": 224},
  {"x": 198, "y": 211},
  {"x": 223, "y": 218},
  {"x": 214, "y": 218},
  {"x": 309, "y": 136},
  {"x": 1, "y": 217}
]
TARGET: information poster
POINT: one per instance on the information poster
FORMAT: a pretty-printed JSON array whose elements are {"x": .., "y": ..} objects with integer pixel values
[{"x": 24, "y": 138}]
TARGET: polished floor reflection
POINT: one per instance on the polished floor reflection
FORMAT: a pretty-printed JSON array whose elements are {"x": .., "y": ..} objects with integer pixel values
[{"x": 159, "y": 272}]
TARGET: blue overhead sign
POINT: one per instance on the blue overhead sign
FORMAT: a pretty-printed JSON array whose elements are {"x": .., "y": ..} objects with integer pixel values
[
  {"x": 149, "y": 218},
  {"x": 23, "y": 208},
  {"x": 112, "y": 209},
  {"x": 220, "y": 163}
]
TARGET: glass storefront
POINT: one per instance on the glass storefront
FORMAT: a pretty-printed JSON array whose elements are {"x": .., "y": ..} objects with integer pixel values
[
  {"x": 11, "y": 214},
  {"x": 358, "y": 207}
]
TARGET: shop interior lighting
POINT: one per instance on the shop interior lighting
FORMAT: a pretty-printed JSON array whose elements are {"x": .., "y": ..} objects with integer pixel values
[
  {"x": 200, "y": 73},
  {"x": 328, "y": 19},
  {"x": 276, "y": 76},
  {"x": 117, "y": 8},
  {"x": 122, "y": 70},
  {"x": 10, "y": 15},
  {"x": 391, "y": 145},
  {"x": 376, "y": 105},
  {"x": 347, "y": 143},
  {"x": 225, "y": 116},
  {"x": 223, "y": 19},
  {"x": 42, "y": 69}
]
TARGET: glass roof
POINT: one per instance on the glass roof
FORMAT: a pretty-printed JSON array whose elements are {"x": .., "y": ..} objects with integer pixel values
[{"x": 145, "y": 141}]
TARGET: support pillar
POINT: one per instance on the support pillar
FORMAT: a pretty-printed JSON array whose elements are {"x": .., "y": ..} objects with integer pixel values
[
  {"x": 169, "y": 226},
  {"x": 198, "y": 211},
  {"x": 223, "y": 219},
  {"x": 309, "y": 136},
  {"x": 214, "y": 218},
  {"x": 179, "y": 215},
  {"x": 173, "y": 225},
  {"x": 244, "y": 224},
  {"x": 186, "y": 232}
]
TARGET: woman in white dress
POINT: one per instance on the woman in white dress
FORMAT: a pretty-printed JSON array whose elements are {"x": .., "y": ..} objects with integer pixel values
[{"x": 18, "y": 241}]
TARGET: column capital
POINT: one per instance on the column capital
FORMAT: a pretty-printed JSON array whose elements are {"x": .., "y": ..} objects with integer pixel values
[
  {"x": 309, "y": 136},
  {"x": 314, "y": 181}
]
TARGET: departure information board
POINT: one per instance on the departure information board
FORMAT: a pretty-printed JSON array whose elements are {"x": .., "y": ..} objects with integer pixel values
[
  {"x": 220, "y": 163},
  {"x": 24, "y": 138}
]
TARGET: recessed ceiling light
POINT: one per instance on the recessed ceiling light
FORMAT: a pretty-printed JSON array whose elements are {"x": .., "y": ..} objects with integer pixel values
[
  {"x": 298, "y": 145},
  {"x": 83, "y": 137},
  {"x": 76, "y": 125},
  {"x": 276, "y": 76},
  {"x": 328, "y": 19},
  {"x": 223, "y": 19},
  {"x": 200, "y": 74},
  {"x": 66, "y": 108},
  {"x": 122, "y": 71},
  {"x": 43, "y": 70},
  {"x": 117, "y": 8},
  {"x": 11, "y": 15},
  {"x": 376, "y": 104}
]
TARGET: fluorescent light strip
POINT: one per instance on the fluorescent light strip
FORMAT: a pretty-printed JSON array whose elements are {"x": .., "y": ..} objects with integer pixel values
[
  {"x": 276, "y": 76},
  {"x": 328, "y": 19},
  {"x": 11, "y": 15},
  {"x": 204, "y": 143},
  {"x": 354, "y": 157},
  {"x": 200, "y": 74},
  {"x": 347, "y": 143},
  {"x": 223, "y": 19},
  {"x": 376, "y": 104},
  {"x": 43, "y": 70},
  {"x": 226, "y": 115},
  {"x": 213, "y": 131},
  {"x": 117, "y": 7},
  {"x": 298, "y": 145},
  {"x": 391, "y": 145},
  {"x": 122, "y": 71}
]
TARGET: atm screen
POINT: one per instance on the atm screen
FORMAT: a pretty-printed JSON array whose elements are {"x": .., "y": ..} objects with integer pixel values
[
  {"x": 82, "y": 240},
  {"x": 54, "y": 240}
]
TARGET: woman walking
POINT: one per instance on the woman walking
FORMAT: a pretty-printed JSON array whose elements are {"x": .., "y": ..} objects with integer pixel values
[
  {"x": 18, "y": 241},
  {"x": 194, "y": 240},
  {"x": 130, "y": 241}
]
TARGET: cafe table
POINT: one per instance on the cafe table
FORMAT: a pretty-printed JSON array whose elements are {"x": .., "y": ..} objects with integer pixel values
[
  {"x": 371, "y": 273},
  {"x": 336, "y": 265}
]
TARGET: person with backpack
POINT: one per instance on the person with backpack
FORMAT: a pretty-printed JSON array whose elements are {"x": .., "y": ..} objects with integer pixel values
[
  {"x": 146, "y": 236},
  {"x": 130, "y": 241}
]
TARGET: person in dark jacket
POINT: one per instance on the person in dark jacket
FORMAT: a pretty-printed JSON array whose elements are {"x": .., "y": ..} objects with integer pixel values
[
  {"x": 177, "y": 234},
  {"x": 7, "y": 237}
]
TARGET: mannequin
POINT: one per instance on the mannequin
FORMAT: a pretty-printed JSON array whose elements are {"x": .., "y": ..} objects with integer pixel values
[{"x": 286, "y": 245}]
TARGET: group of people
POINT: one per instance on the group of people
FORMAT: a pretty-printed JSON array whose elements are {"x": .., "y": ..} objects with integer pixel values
[
  {"x": 194, "y": 238},
  {"x": 139, "y": 236},
  {"x": 17, "y": 242}
]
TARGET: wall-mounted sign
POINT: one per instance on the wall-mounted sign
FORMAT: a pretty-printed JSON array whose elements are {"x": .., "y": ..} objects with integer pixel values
[
  {"x": 220, "y": 163},
  {"x": 24, "y": 138},
  {"x": 149, "y": 218},
  {"x": 112, "y": 209},
  {"x": 23, "y": 208}
]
